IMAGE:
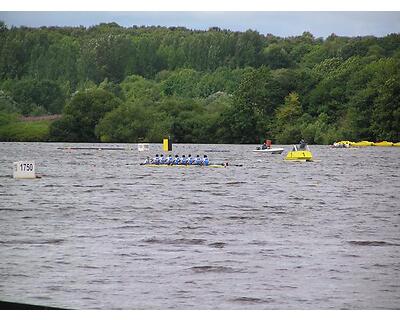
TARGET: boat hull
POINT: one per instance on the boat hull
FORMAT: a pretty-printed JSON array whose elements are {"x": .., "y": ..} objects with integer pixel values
[
  {"x": 271, "y": 151},
  {"x": 183, "y": 166},
  {"x": 302, "y": 155}
]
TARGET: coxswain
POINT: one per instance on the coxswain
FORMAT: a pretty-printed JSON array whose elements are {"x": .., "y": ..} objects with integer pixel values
[{"x": 147, "y": 161}]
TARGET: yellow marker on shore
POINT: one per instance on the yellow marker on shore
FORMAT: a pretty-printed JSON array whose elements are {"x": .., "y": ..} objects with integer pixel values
[
  {"x": 167, "y": 145},
  {"x": 362, "y": 144}
]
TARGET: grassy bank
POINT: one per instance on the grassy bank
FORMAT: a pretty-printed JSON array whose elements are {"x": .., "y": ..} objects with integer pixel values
[{"x": 25, "y": 131}]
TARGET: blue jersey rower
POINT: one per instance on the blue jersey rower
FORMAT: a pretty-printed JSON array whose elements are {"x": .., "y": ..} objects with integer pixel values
[
  {"x": 156, "y": 159},
  {"x": 182, "y": 160},
  {"x": 169, "y": 160},
  {"x": 176, "y": 160},
  {"x": 189, "y": 159},
  {"x": 197, "y": 160}
]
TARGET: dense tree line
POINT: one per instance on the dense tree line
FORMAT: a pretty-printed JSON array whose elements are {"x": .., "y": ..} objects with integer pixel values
[{"x": 116, "y": 84}]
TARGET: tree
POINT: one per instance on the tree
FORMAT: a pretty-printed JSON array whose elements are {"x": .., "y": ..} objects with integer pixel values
[
  {"x": 31, "y": 94},
  {"x": 139, "y": 88},
  {"x": 275, "y": 56},
  {"x": 287, "y": 120},
  {"x": 263, "y": 91},
  {"x": 184, "y": 82},
  {"x": 82, "y": 114},
  {"x": 181, "y": 83},
  {"x": 7, "y": 103},
  {"x": 238, "y": 125},
  {"x": 386, "y": 113}
]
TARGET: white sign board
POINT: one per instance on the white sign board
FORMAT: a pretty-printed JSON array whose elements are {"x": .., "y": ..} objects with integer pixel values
[
  {"x": 143, "y": 147},
  {"x": 24, "y": 170}
]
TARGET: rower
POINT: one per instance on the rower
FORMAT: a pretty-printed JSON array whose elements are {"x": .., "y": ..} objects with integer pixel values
[
  {"x": 183, "y": 160},
  {"x": 176, "y": 160},
  {"x": 162, "y": 159},
  {"x": 169, "y": 159},
  {"x": 156, "y": 159},
  {"x": 206, "y": 162},
  {"x": 189, "y": 159},
  {"x": 197, "y": 160}
]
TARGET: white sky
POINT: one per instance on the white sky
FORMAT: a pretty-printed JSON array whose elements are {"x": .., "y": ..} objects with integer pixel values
[{"x": 168, "y": 13}]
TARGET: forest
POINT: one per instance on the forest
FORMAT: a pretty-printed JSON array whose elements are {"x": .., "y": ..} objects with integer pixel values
[{"x": 111, "y": 83}]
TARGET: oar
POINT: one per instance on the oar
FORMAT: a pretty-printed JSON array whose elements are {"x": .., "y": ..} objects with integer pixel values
[{"x": 226, "y": 164}]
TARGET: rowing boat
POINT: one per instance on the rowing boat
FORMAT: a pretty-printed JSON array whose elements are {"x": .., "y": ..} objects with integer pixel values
[{"x": 183, "y": 166}]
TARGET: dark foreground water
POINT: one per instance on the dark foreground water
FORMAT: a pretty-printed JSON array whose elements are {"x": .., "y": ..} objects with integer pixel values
[{"x": 100, "y": 231}]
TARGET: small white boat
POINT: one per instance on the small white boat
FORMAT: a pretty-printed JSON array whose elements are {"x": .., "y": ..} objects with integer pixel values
[
  {"x": 270, "y": 150},
  {"x": 267, "y": 148}
]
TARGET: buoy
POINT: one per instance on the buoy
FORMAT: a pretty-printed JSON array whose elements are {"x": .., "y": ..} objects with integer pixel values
[
  {"x": 24, "y": 170},
  {"x": 143, "y": 147}
]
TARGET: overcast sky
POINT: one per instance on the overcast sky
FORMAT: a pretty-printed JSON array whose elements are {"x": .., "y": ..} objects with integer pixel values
[{"x": 320, "y": 24}]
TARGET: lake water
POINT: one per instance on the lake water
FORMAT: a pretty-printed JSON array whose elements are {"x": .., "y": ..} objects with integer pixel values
[{"x": 98, "y": 231}]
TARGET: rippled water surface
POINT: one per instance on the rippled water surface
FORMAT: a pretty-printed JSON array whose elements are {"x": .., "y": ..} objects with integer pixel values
[{"x": 100, "y": 231}]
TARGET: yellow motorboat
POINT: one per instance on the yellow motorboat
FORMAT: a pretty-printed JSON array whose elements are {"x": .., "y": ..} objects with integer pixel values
[
  {"x": 362, "y": 144},
  {"x": 397, "y": 144},
  {"x": 299, "y": 153},
  {"x": 383, "y": 144}
]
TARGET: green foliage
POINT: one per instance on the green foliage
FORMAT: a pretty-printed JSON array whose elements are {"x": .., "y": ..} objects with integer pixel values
[
  {"x": 6, "y": 118},
  {"x": 319, "y": 131},
  {"x": 14, "y": 130},
  {"x": 139, "y": 88},
  {"x": 124, "y": 84},
  {"x": 262, "y": 90},
  {"x": 386, "y": 112},
  {"x": 181, "y": 83},
  {"x": 7, "y": 103},
  {"x": 35, "y": 97},
  {"x": 131, "y": 122},
  {"x": 287, "y": 124},
  {"x": 276, "y": 57},
  {"x": 82, "y": 114},
  {"x": 239, "y": 125}
]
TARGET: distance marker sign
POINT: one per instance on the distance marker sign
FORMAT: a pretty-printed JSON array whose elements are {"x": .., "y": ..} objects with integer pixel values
[{"x": 24, "y": 170}]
